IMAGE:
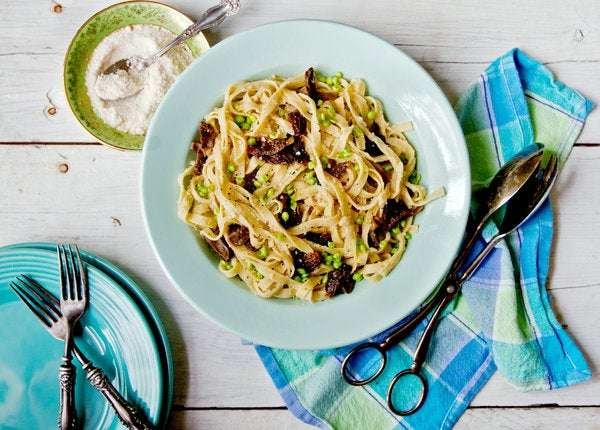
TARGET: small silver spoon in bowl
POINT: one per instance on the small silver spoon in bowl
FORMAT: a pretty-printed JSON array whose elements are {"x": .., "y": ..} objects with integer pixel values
[{"x": 209, "y": 19}]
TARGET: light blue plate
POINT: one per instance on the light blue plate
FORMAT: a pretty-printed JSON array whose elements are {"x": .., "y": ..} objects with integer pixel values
[
  {"x": 407, "y": 92},
  {"x": 117, "y": 337}
]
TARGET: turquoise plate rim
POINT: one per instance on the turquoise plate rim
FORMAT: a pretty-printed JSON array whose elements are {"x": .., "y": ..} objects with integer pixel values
[
  {"x": 189, "y": 265},
  {"x": 131, "y": 288}
]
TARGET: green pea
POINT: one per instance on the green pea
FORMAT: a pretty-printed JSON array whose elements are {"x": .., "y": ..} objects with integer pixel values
[
  {"x": 202, "y": 190},
  {"x": 252, "y": 141},
  {"x": 358, "y": 277},
  {"x": 345, "y": 153},
  {"x": 257, "y": 183},
  {"x": 246, "y": 126},
  {"x": 311, "y": 165},
  {"x": 415, "y": 178},
  {"x": 388, "y": 167},
  {"x": 395, "y": 231},
  {"x": 280, "y": 236},
  {"x": 231, "y": 167},
  {"x": 263, "y": 252},
  {"x": 239, "y": 119},
  {"x": 263, "y": 179},
  {"x": 285, "y": 216},
  {"x": 356, "y": 131},
  {"x": 322, "y": 117},
  {"x": 302, "y": 271},
  {"x": 239, "y": 180},
  {"x": 408, "y": 236},
  {"x": 339, "y": 75},
  {"x": 394, "y": 250},
  {"x": 319, "y": 102},
  {"x": 311, "y": 181},
  {"x": 360, "y": 219},
  {"x": 330, "y": 244},
  {"x": 383, "y": 244},
  {"x": 337, "y": 264},
  {"x": 371, "y": 115}
]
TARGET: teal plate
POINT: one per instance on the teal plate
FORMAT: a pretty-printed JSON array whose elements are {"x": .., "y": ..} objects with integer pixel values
[
  {"x": 117, "y": 337},
  {"x": 408, "y": 93}
]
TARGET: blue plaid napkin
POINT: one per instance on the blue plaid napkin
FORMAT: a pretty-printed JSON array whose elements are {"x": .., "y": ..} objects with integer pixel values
[{"x": 503, "y": 320}]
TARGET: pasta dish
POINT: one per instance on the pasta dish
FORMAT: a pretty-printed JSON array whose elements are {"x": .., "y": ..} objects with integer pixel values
[{"x": 302, "y": 186}]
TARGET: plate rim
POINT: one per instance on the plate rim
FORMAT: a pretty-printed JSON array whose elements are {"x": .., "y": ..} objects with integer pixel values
[
  {"x": 295, "y": 344},
  {"x": 150, "y": 316}
]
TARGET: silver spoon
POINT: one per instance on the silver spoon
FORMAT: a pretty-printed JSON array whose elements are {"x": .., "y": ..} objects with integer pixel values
[
  {"x": 511, "y": 177},
  {"x": 209, "y": 19},
  {"x": 520, "y": 207}
]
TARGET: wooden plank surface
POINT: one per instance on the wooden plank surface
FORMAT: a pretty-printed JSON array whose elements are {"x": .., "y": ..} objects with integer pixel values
[
  {"x": 89, "y": 194},
  {"x": 453, "y": 40},
  {"x": 473, "y": 419},
  {"x": 96, "y": 203}
]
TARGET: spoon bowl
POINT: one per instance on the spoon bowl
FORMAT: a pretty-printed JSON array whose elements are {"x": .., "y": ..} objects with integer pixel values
[
  {"x": 511, "y": 177},
  {"x": 519, "y": 209},
  {"x": 530, "y": 197}
]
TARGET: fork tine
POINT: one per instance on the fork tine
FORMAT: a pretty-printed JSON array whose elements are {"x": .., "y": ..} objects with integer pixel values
[
  {"x": 82, "y": 276},
  {"x": 41, "y": 294},
  {"x": 50, "y": 297},
  {"x": 30, "y": 304},
  {"x": 74, "y": 275},
  {"x": 63, "y": 269}
]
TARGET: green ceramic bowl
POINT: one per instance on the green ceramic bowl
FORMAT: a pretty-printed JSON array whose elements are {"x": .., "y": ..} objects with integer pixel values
[{"x": 91, "y": 33}]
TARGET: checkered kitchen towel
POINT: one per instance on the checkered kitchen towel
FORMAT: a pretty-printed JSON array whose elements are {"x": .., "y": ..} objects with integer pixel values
[{"x": 504, "y": 319}]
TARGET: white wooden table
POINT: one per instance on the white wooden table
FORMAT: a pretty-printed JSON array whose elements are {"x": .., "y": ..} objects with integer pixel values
[{"x": 56, "y": 184}]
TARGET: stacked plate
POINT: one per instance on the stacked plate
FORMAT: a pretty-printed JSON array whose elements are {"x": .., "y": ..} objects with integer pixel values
[{"x": 120, "y": 332}]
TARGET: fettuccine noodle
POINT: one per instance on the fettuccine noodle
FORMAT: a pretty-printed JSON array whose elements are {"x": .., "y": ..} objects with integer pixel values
[{"x": 345, "y": 208}]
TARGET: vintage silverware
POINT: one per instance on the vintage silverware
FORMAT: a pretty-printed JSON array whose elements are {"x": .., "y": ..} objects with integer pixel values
[
  {"x": 209, "y": 19},
  {"x": 532, "y": 192},
  {"x": 46, "y": 308},
  {"x": 73, "y": 301},
  {"x": 511, "y": 177}
]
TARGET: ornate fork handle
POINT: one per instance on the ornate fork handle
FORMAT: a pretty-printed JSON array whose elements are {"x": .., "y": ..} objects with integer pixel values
[
  {"x": 66, "y": 377},
  {"x": 128, "y": 415},
  {"x": 209, "y": 19}
]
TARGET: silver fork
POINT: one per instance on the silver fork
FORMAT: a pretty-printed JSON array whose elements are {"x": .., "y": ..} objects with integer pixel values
[
  {"x": 73, "y": 301},
  {"x": 46, "y": 308}
]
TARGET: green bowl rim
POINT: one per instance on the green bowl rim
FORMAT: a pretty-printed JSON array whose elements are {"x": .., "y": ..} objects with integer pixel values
[{"x": 77, "y": 33}]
